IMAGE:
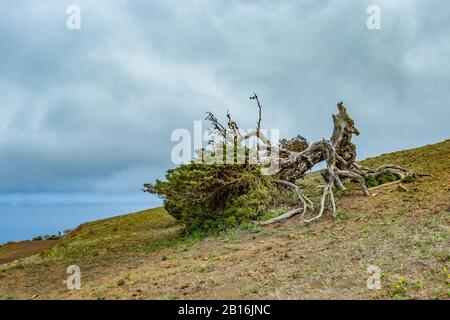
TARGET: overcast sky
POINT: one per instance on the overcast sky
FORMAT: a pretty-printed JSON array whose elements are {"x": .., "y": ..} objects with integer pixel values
[{"x": 92, "y": 110}]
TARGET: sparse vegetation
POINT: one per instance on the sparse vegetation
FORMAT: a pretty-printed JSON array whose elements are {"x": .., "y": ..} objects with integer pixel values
[
  {"x": 214, "y": 197},
  {"x": 399, "y": 289},
  {"x": 409, "y": 178},
  {"x": 382, "y": 179},
  {"x": 386, "y": 178},
  {"x": 115, "y": 237}
]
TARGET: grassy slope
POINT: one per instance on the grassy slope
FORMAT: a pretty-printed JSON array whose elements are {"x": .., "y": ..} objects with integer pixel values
[
  {"x": 141, "y": 255},
  {"x": 115, "y": 237}
]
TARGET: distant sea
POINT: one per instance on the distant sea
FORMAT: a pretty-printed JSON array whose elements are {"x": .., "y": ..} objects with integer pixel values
[{"x": 24, "y": 216}]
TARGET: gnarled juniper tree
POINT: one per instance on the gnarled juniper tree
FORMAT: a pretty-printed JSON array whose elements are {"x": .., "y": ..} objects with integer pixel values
[{"x": 294, "y": 158}]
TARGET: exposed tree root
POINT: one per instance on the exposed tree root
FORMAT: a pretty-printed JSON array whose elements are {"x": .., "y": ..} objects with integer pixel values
[
  {"x": 295, "y": 157},
  {"x": 303, "y": 199},
  {"x": 384, "y": 185}
]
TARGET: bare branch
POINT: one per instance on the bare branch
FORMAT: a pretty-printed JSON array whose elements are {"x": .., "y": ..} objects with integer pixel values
[{"x": 296, "y": 157}]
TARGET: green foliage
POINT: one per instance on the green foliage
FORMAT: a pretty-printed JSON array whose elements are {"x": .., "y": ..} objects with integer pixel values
[
  {"x": 399, "y": 289},
  {"x": 181, "y": 241},
  {"x": 270, "y": 214},
  {"x": 371, "y": 182},
  {"x": 386, "y": 177},
  {"x": 409, "y": 179},
  {"x": 381, "y": 179},
  {"x": 38, "y": 238},
  {"x": 214, "y": 196},
  {"x": 345, "y": 215},
  {"x": 250, "y": 226}
]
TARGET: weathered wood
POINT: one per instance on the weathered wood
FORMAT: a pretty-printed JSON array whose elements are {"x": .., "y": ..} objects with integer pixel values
[{"x": 295, "y": 157}]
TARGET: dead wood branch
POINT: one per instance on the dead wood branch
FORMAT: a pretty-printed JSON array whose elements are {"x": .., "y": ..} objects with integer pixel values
[{"x": 295, "y": 157}]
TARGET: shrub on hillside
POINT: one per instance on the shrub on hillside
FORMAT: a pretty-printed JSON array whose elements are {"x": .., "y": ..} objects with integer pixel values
[
  {"x": 386, "y": 177},
  {"x": 409, "y": 178},
  {"x": 206, "y": 196},
  {"x": 381, "y": 179},
  {"x": 371, "y": 182}
]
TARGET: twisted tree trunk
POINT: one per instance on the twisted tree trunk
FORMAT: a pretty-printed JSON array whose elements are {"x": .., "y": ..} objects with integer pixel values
[{"x": 296, "y": 157}]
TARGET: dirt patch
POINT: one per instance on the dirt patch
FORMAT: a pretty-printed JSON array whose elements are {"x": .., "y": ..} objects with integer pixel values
[{"x": 23, "y": 249}]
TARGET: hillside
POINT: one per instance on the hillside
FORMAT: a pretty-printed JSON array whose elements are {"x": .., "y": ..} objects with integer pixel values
[{"x": 405, "y": 232}]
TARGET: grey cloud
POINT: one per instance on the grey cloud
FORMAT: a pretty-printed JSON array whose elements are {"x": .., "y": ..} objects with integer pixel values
[{"x": 93, "y": 109}]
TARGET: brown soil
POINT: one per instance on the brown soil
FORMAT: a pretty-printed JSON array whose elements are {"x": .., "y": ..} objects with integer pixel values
[{"x": 22, "y": 249}]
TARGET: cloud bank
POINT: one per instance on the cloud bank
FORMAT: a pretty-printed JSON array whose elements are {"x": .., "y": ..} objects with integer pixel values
[{"x": 92, "y": 110}]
